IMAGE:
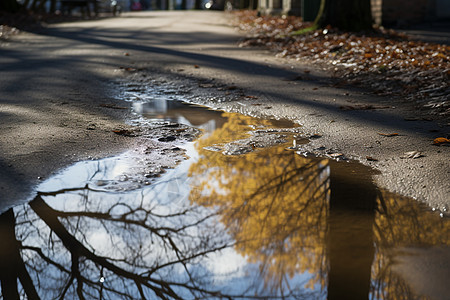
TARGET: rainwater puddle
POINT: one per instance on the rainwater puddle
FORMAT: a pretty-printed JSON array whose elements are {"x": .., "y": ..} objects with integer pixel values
[{"x": 267, "y": 223}]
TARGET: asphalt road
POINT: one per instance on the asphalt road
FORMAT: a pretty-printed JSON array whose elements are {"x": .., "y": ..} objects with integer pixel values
[{"x": 54, "y": 82}]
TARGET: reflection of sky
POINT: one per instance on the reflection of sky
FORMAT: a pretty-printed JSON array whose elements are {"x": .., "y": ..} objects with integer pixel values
[{"x": 227, "y": 269}]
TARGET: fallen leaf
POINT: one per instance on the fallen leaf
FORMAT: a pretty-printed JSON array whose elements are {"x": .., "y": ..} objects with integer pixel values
[
  {"x": 251, "y": 97},
  {"x": 196, "y": 66},
  {"x": 126, "y": 54},
  {"x": 125, "y": 132},
  {"x": 388, "y": 134},
  {"x": 412, "y": 154},
  {"x": 370, "y": 158},
  {"x": 440, "y": 141}
]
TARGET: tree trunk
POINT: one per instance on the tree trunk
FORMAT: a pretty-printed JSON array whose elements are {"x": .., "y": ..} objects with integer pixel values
[
  {"x": 9, "y": 5},
  {"x": 198, "y": 4},
  {"x": 351, "y": 15}
]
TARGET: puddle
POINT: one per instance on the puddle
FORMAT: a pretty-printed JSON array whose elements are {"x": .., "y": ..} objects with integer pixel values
[{"x": 267, "y": 223}]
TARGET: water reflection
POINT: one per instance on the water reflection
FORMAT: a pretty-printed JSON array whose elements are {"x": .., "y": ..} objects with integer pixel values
[
  {"x": 268, "y": 224},
  {"x": 161, "y": 109}
]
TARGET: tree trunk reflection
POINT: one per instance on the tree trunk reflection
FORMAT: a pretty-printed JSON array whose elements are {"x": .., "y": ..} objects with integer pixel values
[{"x": 350, "y": 234}]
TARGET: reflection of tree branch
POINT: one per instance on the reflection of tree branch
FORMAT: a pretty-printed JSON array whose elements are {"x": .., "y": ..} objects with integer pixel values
[
  {"x": 162, "y": 288},
  {"x": 11, "y": 264},
  {"x": 45, "y": 258},
  {"x": 122, "y": 219},
  {"x": 278, "y": 180},
  {"x": 77, "y": 249}
]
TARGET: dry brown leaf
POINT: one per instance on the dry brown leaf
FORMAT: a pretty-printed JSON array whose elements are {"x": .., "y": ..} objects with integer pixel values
[
  {"x": 388, "y": 134},
  {"x": 370, "y": 158},
  {"x": 440, "y": 141},
  {"x": 125, "y": 132}
]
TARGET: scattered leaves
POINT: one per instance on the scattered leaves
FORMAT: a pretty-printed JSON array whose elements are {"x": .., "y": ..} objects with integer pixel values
[
  {"x": 386, "y": 61},
  {"x": 441, "y": 141}
]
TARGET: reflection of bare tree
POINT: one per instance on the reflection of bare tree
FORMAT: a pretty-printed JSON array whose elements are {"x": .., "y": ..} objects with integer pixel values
[{"x": 152, "y": 252}]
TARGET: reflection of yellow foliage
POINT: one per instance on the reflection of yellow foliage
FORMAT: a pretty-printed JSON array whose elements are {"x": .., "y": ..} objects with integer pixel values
[
  {"x": 272, "y": 201},
  {"x": 402, "y": 222},
  {"x": 235, "y": 128}
]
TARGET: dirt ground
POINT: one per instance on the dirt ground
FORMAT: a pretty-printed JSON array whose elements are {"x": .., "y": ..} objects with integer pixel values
[{"x": 60, "y": 100}]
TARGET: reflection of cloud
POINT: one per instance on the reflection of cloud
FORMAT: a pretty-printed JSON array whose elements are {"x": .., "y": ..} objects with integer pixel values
[
  {"x": 79, "y": 174},
  {"x": 100, "y": 240},
  {"x": 226, "y": 262}
]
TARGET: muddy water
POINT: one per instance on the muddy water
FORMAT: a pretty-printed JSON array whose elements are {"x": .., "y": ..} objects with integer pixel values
[{"x": 244, "y": 216}]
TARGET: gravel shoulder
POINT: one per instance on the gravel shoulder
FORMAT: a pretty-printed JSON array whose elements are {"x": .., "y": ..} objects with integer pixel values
[{"x": 60, "y": 100}]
